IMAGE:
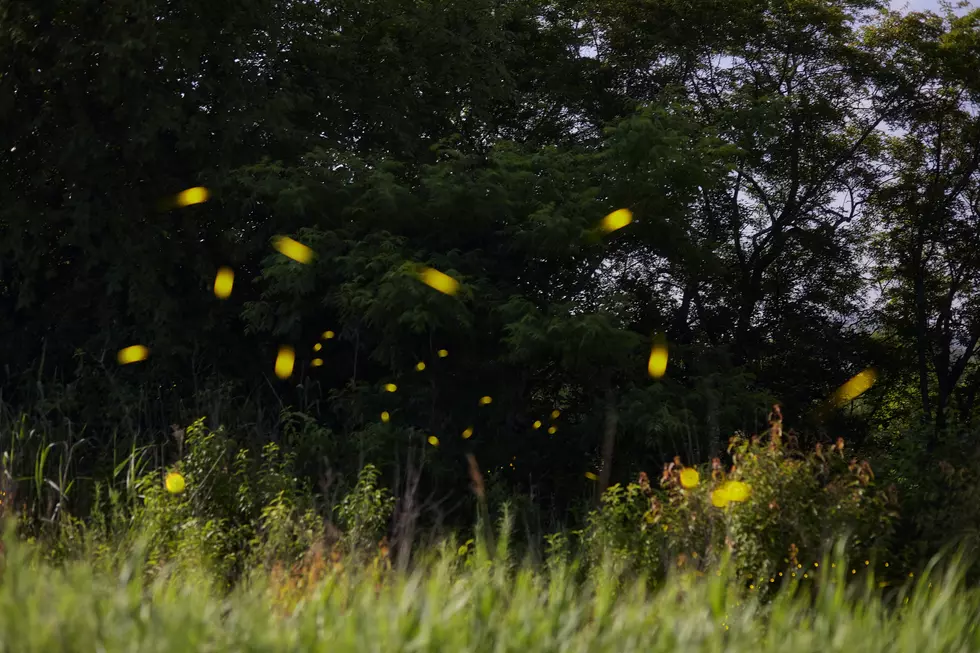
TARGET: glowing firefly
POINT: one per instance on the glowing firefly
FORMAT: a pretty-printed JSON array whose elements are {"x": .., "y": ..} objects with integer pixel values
[
  {"x": 223, "y": 282},
  {"x": 284, "y": 362},
  {"x": 657, "y": 365},
  {"x": 132, "y": 354},
  {"x": 196, "y": 195},
  {"x": 174, "y": 483},
  {"x": 439, "y": 281},
  {"x": 294, "y": 250},
  {"x": 616, "y": 220}
]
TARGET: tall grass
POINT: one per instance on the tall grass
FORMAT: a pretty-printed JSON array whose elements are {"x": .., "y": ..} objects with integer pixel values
[{"x": 476, "y": 602}]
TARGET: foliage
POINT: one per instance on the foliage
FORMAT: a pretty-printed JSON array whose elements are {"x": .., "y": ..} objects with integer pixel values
[
  {"x": 797, "y": 504},
  {"x": 445, "y": 606}
]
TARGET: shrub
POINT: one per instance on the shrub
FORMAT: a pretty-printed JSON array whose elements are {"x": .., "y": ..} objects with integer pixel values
[{"x": 775, "y": 509}]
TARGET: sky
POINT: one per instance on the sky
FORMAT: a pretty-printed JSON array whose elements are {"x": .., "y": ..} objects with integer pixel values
[{"x": 923, "y": 5}]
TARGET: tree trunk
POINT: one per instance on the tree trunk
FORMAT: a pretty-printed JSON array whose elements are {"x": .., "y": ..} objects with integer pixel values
[{"x": 609, "y": 434}]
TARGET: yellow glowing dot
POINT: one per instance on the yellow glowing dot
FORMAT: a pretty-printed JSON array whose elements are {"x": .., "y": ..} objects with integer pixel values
[
  {"x": 591, "y": 476},
  {"x": 385, "y": 417},
  {"x": 443, "y": 353},
  {"x": 196, "y": 195},
  {"x": 737, "y": 491},
  {"x": 537, "y": 424},
  {"x": 657, "y": 365},
  {"x": 317, "y": 347},
  {"x": 434, "y": 441},
  {"x": 284, "y": 362},
  {"x": 420, "y": 366},
  {"x": 439, "y": 281},
  {"x": 132, "y": 354},
  {"x": 805, "y": 576},
  {"x": 689, "y": 478},
  {"x": 317, "y": 362},
  {"x": 780, "y": 574},
  {"x": 294, "y": 250},
  {"x": 555, "y": 414},
  {"x": 854, "y": 571},
  {"x": 799, "y": 566},
  {"x": 552, "y": 430},
  {"x": 484, "y": 401},
  {"x": 855, "y": 386},
  {"x": 390, "y": 387},
  {"x": 911, "y": 574},
  {"x": 174, "y": 483},
  {"x": 719, "y": 498},
  {"x": 772, "y": 580},
  {"x": 816, "y": 564},
  {"x": 223, "y": 282},
  {"x": 751, "y": 587},
  {"x": 616, "y": 220},
  {"x": 886, "y": 564},
  {"x": 867, "y": 562},
  {"x": 833, "y": 565},
  {"x": 467, "y": 433}
]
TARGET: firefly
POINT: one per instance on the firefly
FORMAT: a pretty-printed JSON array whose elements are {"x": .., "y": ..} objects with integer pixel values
[
  {"x": 292, "y": 249},
  {"x": 132, "y": 354},
  {"x": 468, "y": 433},
  {"x": 223, "y": 282},
  {"x": 196, "y": 195},
  {"x": 657, "y": 365},
  {"x": 439, "y": 281},
  {"x": 174, "y": 483},
  {"x": 616, "y": 220},
  {"x": 284, "y": 362}
]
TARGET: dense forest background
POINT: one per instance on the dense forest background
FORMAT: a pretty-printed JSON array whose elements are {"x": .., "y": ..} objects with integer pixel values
[{"x": 804, "y": 177}]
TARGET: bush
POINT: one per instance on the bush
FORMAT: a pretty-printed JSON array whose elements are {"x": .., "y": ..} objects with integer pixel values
[{"x": 775, "y": 509}]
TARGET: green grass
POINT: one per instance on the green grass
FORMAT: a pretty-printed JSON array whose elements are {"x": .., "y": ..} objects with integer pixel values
[{"x": 448, "y": 604}]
